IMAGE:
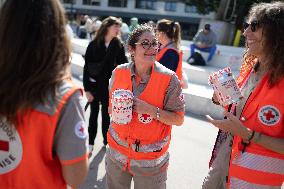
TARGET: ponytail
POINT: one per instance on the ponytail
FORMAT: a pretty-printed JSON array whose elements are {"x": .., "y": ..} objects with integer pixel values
[
  {"x": 171, "y": 29},
  {"x": 176, "y": 34}
]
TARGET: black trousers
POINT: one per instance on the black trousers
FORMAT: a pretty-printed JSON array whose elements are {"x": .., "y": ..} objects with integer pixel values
[{"x": 93, "y": 121}]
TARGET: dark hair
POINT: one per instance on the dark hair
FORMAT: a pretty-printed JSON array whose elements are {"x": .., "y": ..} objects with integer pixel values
[
  {"x": 34, "y": 54},
  {"x": 270, "y": 17},
  {"x": 135, "y": 35},
  {"x": 171, "y": 29},
  {"x": 207, "y": 27},
  {"x": 102, "y": 31}
]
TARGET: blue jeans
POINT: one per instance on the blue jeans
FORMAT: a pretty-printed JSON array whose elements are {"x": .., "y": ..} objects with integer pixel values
[{"x": 210, "y": 50}]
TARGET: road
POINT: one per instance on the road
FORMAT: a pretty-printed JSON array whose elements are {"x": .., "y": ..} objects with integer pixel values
[{"x": 190, "y": 151}]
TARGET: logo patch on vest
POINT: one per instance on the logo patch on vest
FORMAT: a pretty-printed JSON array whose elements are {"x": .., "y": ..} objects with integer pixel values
[
  {"x": 11, "y": 149},
  {"x": 81, "y": 130},
  {"x": 144, "y": 118},
  {"x": 269, "y": 115}
]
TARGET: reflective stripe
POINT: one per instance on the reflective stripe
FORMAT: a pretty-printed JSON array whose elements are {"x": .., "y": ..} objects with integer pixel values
[
  {"x": 142, "y": 148},
  {"x": 139, "y": 163},
  {"x": 236, "y": 183},
  {"x": 260, "y": 163},
  {"x": 152, "y": 147},
  {"x": 115, "y": 137}
]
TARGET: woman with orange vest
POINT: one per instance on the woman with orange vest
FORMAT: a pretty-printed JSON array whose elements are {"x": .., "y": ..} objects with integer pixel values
[
  {"x": 43, "y": 135},
  {"x": 257, "y": 156},
  {"x": 169, "y": 54},
  {"x": 217, "y": 175},
  {"x": 139, "y": 149}
]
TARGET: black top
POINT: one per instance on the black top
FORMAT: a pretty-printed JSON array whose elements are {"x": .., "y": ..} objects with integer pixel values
[
  {"x": 103, "y": 60},
  {"x": 170, "y": 59}
]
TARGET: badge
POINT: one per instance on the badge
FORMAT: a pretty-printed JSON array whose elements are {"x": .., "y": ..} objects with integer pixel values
[
  {"x": 144, "y": 118},
  {"x": 269, "y": 115},
  {"x": 11, "y": 148},
  {"x": 81, "y": 130}
]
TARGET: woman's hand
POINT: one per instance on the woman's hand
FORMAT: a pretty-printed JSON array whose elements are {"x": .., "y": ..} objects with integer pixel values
[
  {"x": 232, "y": 124},
  {"x": 89, "y": 96},
  {"x": 142, "y": 107}
]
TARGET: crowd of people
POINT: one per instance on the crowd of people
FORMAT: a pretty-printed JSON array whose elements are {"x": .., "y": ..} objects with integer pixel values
[{"x": 43, "y": 131}]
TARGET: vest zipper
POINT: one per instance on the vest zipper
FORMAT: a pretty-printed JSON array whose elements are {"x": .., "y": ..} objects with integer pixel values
[{"x": 137, "y": 143}]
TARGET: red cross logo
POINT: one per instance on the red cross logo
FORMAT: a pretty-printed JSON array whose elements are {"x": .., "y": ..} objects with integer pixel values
[
  {"x": 4, "y": 145},
  {"x": 82, "y": 129},
  {"x": 145, "y": 116},
  {"x": 268, "y": 115}
]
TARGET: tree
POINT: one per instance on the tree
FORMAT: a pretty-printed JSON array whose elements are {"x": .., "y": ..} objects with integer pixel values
[
  {"x": 239, "y": 12},
  {"x": 203, "y": 6}
]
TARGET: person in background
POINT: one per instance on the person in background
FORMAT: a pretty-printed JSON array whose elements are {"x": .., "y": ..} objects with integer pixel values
[
  {"x": 41, "y": 114},
  {"x": 124, "y": 32},
  {"x": 170, "y": 55},
  {"x": 103, "y": 54},
  {"x": 257, "y": 156},
  {"x": 95, "y": 27},
  {"x": 88, "y": 26},
  {"x": 133, "y": 24},
  {"x": 139, "y": 149},
  {"x": 204, "y": 40}
]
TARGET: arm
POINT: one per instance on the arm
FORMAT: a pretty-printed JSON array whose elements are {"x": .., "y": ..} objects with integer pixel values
[
  {"x": 69, "y": 147},
  {"x": 75, "y": 174},
  {"x": 234, "y": 126},
  {"x": 196, "y": 38},
  {"x": 173, "y": 111},
  {"x": 166, "y": 117},
  {"x": 86, "y": 75}
]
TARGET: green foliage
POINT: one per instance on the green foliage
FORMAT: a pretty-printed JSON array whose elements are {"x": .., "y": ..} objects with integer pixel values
[
  {"x": 203, "y": 6},
  {"x": 241, "y": 11}
]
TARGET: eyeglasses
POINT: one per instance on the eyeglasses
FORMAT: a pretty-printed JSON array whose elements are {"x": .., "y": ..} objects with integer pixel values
[
  {"x": 253, "y": 25},
  {"x": 146, "y": 44}
]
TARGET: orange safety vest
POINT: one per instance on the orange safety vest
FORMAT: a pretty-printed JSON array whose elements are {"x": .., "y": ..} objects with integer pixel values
[
  {"x": 257, "y": 165},
  {"x": 135, "y": 139},
  {"x": 179, "y": 67},
  {"x": 27, "y": 159}
]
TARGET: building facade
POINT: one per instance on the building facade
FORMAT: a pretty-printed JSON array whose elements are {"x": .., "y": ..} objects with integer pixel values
[{"x": 144, "y": 10}]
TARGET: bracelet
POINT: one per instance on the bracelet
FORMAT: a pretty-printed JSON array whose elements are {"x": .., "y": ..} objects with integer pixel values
[
  {"x": 246, "y": 143},
  {"x": 251, "y": 136},
  {"x": 158, "y": 115}
]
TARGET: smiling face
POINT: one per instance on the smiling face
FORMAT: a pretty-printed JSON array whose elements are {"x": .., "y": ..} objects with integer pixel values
[
  {"x": 254, "y": 38},
  {"x": 145, "y": 50}
]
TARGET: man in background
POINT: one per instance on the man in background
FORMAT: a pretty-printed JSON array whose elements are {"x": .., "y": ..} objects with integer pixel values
[{"x": 204, "y": 40}]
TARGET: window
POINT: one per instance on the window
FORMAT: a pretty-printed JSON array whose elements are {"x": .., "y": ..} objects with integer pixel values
[
  {"x": 146, "y": 4},
  {"x": 117, "y": 3},
  {"x": 170, "y": 6},
  {"x": 69, "y": 1},
  {"x": 190, "y": 8},
  {"x": 91, "y": 2}
]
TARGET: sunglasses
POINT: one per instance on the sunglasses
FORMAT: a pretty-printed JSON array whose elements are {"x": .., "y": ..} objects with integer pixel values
[
  {"x": 146, "y": 44},
  {"x": 253, "y": 25}
]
